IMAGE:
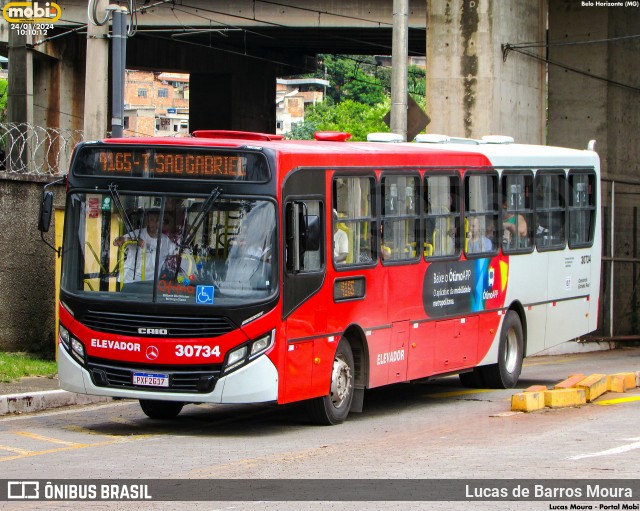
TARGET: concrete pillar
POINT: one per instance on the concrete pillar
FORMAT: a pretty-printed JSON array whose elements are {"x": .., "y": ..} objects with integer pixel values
[
  {"x": 471, "y": 91},
  {"x": 96, "y": 92},
  {"x": 20, "y": 90}
]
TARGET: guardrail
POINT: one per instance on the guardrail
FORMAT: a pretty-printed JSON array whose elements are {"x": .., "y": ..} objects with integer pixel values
[{"x": 35, "y": 150}]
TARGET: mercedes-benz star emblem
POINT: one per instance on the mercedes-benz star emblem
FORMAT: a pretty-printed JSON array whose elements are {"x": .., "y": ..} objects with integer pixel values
[{"x": 152, "y": 352}]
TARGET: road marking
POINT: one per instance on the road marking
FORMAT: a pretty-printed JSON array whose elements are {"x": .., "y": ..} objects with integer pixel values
[
  {"x": 15, "y": 450},
  {"x": 609, "y": 452},
  {"x": 35, "y": 436},
  {"x": 617, "y": 401}
]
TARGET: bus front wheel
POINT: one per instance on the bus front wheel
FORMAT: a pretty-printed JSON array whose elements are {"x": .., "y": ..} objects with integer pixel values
[
  {"x": 161, "y": 409},
  {"x": 334, "y": 407},
  {"x": 505, "y": 374}
]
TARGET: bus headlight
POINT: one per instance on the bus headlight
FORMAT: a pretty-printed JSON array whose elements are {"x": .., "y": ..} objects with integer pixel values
[
  {"x": 63, "y": 335},
  {"x": 248, "y": 351},
  {"x": 77, "y": 350},
  {"x": 261, "y": 345},
  {"x": 236, "y": 358}
]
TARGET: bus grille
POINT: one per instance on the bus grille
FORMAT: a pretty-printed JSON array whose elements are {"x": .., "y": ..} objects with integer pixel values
[
  {"x": 200, "y": 380},
  {"x": 175, "y": 326}
]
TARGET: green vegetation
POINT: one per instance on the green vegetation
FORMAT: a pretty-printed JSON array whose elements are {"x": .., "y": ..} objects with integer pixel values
[
  {"x": 4, "y": 86},
  {"x": 355, "y": 118},
  {"x": 14, "y": 366},
  {"x": 357, "y": 99}
]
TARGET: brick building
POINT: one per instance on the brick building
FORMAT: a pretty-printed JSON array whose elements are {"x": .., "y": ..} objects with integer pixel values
[
  {"x": 156, "y": 104},
  {"x": 292, "y": 96}
]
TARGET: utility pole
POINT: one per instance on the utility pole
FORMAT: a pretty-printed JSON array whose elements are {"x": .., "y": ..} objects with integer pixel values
[
  {"x": 96, "y": 87},
  {"x": 119, "y": 57},
  {"x": 399, "y": 70}
]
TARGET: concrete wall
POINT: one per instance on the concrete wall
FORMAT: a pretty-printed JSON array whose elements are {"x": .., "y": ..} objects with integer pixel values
[
  {"x": 582, "y": 108},
  {"x": 471, "y": 91},
  {"x": 27, "y": 281}
]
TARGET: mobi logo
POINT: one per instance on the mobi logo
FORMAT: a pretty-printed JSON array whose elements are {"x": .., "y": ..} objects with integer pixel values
[{"x": 31, "y": 12}]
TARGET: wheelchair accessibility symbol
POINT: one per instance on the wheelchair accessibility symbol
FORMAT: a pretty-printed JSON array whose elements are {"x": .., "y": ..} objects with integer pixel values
[{"x": 204, "y": 295}]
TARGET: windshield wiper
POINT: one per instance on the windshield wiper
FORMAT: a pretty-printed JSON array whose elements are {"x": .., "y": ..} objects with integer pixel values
[
  {"x": 115, "y": 196},
  {"x": 192, "y": 229}
]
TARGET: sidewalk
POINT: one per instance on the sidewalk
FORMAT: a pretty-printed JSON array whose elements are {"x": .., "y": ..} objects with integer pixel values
[{"x": 37, "y": 394}]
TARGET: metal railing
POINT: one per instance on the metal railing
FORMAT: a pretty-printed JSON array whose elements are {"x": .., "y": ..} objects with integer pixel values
[
  {"x": 34, "y": 150},
  {"x": 620, "y": 291}
]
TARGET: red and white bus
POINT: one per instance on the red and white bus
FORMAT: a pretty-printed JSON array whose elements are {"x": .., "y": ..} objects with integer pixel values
[{"x": 234, "y": 267}]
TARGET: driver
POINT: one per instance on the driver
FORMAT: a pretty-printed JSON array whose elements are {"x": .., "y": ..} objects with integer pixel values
[{"x": 147, "y": 246}]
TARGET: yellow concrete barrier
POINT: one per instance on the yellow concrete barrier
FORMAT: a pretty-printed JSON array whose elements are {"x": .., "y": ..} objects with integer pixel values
[
  {"x": 594, "y": 386},
  {"x": 527, "y": 401},
  {"x": 562, "y": 398},
  {"x": 535, "y": 388},
  {"x": 615, "y": 383},
  {"x": 629, "y": 380},
  {"x": 570, "y": 382}
]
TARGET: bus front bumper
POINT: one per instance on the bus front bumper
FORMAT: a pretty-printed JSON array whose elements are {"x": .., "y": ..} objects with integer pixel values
[{"x": 257, "y": 382}]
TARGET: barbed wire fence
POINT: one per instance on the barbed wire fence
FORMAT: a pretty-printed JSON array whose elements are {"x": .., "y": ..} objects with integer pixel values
[{"x": 35, "y": 150}]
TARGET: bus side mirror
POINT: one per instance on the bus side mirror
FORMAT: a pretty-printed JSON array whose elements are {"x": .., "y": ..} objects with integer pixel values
[
  {"x": 44, "y": 222},
  {"x": 46, "y": 212},
  {"x": 312, "y": 233}
]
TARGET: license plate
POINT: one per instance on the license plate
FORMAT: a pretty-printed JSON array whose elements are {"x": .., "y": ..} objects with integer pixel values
[{"x": 151, "y": 379}]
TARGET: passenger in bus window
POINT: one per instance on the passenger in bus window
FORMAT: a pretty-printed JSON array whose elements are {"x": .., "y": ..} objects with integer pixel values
[
  {"x": 340, "y": 241},
  {"x": 478, "y": 242},
  {"x": 512, "y": 224},
  {"x": 147, "y": 244}
]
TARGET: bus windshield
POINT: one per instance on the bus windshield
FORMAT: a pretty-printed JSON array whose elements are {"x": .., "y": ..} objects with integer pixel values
[{"x": 203, "y": 251}]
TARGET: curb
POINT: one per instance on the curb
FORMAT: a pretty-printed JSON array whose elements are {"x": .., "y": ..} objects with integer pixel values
[
  {"x": 573, "y": 347},
  {"x": 37, "y": 401}
]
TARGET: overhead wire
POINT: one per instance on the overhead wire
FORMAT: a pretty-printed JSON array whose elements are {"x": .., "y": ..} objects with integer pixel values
[{"x": 506, "y": 48}]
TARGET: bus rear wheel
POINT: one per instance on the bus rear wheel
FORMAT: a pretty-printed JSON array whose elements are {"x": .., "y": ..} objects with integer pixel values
[
  {"x": 505, "y": 374},
  {"x": 161, "y": 409},
  {"x": 333, "y": 408}
]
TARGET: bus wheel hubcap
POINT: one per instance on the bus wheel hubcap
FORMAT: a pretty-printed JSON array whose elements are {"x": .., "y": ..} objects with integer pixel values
[
  {"x": 340, "y": 382},
  {"x": 511, "y": 351}
]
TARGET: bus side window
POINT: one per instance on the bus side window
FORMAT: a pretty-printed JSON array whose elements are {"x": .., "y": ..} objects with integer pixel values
[
  {"x": 517, "y": 211},
  {"x": 442, "y": 223},
  {"x": 550, "y": 210},
  {"x": 401, "y": 217},
  {"x": 353, "y": 221},
  {"x": 481, "y": 213},
  {"x": 582, "y": 208}
]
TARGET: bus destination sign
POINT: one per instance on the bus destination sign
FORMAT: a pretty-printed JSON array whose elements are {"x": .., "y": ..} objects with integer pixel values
[{"x": 170, "y": 163}]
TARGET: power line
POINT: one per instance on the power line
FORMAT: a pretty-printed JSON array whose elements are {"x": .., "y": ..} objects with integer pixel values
[
  {"x": 506, "y": 48},
  {"x": 574, "y": 43},
  {"x": 328, "y": 13}
]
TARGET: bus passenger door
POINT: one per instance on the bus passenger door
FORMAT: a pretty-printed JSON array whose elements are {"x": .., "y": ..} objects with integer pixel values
[{"x": 308, "y": 354}]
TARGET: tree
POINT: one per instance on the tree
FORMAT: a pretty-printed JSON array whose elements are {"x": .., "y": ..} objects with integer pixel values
[
  {"x": 358, "y": 97},
  {"x": 355, "y": 118},
  {"x": 355, "y": 77}
]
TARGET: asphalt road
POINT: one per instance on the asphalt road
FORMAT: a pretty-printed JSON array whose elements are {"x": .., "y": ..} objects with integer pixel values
[{"x": 430, "y": 430}]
